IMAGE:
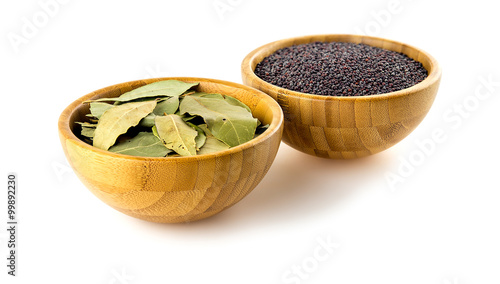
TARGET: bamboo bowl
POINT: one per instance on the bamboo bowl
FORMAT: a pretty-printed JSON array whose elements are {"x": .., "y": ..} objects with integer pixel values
[
  {"x": 347, "y": 127},
  {"x": 175, "y": 189}
]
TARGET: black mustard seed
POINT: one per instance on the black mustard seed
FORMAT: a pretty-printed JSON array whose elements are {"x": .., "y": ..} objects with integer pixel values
[{"x": 340, "y": 69}]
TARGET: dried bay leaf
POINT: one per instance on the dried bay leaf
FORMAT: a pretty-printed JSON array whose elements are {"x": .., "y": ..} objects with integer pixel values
[
  {"x": 235, "y": 102},
  {"x": 212, "y": 144},
  {"x": 145, "y": 144},
  {"x": 98, "y": 108},
  {"x": 92, "y": 118},
  {"x": 176, "y": 134},
  {"x": 201, "y": 138},
  {"x": 169, "y": 119},
  {"x": 168, "y": 106},
  {"x": 231, "y": 124},
  {"x": 207, "y": 95},
  {"x": 155, "y": 131},
  {"x": 88, "y": 132},
  {"x": 87, "y": 124},
  {"x": 230, "y": 100},
  {"x": 118, "y": 119},
  {"x": 167, "y": 88},
  {"x": 186, "y": 117},
  {"x": 205, "y": 129},
  {"x": 88, "y": 129},
  {"x": 187, "y": 93},
  {"x": 148, "y": 121},
  {"x": 163, "y": 107}
]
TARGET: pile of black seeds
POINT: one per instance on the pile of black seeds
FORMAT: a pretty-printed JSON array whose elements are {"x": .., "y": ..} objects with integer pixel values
[{"x": 340, "y": 69}]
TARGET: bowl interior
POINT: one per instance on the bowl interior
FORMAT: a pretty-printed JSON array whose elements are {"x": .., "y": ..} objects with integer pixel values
[
  {"x": 263, "y": 107},
  {"x": 256, "y": 56}
]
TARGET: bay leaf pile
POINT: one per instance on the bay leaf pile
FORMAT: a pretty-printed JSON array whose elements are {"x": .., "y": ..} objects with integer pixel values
[{"x": 169, "y": 118}]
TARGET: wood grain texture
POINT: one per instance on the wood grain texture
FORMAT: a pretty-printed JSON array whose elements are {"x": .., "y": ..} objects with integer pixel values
[
  {"x": 176, "y": 189},
  {"x": 347, "y": 127}
]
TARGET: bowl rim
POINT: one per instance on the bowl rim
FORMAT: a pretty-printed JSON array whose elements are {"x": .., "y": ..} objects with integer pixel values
[
  {"x": 433, "y": 76},
  {"x": 275, "y": 125}
]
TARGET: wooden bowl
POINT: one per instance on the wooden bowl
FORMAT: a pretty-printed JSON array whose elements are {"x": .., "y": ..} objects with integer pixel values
[
  {"x": 174, "y": 189},
  {"x": 347, "y": 127}
]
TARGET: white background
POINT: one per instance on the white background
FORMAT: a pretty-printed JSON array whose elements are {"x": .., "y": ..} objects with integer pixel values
[{"x": 439, "y": 222}]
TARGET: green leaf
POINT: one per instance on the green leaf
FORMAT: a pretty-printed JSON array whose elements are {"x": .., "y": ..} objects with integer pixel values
[
  {"x": 207, "y": 95},
  {"x": 98, "y": 108},
  {"x": 92, "y": 118},
  {"x": 231, "y": 124},
  {"x": 204, "y": 127},
  {"x": 88, "y": 132},
  {"x": 117, "y": 120},
  {"x": 87, "y": 124},
  {"x": 201, "y": 138},
  {"x": 167, "y": 88},
  {"x": 212, "y": 145},
  {"x": 155, "y": 131},
  {"x": 176, "y": 134},
  {"x": 235, "y": 102},
  {"x": 188, "y": 118},
  {"x": 177, "y": 121},
  {"x": 148, "y": 121},
  {"x": 145, "y": 144},
  {"x": 169, "y": 106},
  {"x": 88, "y": 129},
  {"x": 230, "y": 100}
]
